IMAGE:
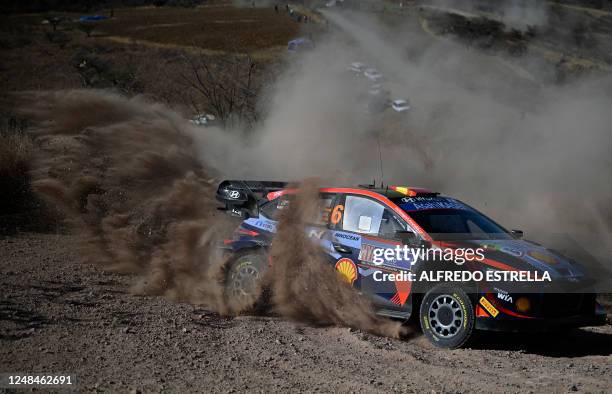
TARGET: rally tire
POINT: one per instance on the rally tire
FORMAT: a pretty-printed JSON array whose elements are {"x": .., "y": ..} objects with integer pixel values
[
  {"x": 244, "y": 281},
  {"x": 447, "y": 316}
]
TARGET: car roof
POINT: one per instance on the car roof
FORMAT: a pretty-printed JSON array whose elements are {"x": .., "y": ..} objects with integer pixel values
[
  {"x": 390, "y": 192},
  {"x": 395, "y": 191}
]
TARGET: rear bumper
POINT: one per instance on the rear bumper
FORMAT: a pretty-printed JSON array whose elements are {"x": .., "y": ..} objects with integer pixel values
[{"x": 539, "y": 325}]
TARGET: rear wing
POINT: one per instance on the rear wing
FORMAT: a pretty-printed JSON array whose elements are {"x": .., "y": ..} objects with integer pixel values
[{"x": 243, "y": 198}]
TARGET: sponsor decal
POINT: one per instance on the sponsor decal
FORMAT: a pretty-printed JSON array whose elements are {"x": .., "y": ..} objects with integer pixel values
[
  {"x": 366, "y": 253},
  {"x": 350, "y": 237},
  {"x": 543, "y": 257},
  {"x": 347, "y": 239},
  {"x": 325, "y": 215},
  {"x": 315, "y": 233},
  {"x": 462, "y": 304},
  {"x": 511, "y": 251},
  {"x": 488, "y": 306},
  {"x": 505, "y": 297},
  {"x": 264, "y": 225},
  {"x": 347, "y": 269},
  {"x": 419, "y": 203}
]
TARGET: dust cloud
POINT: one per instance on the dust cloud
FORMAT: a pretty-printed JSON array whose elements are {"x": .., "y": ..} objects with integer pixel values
[
  {"x": 482, "y": 128},
  {"x": 537, "y": 158},
  {"x": 128, "y": 181},
  {"x": 137, "y": 180},
  {"x": 305, "y": 287},
  {"x": 125, "y": 175}
]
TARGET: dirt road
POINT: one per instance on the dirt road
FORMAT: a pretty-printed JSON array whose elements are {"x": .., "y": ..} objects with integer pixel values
[{"x": 58, "y": 315}]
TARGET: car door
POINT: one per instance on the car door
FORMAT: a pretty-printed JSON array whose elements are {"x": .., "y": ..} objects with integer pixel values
[
  {"x": 318, "y": 227},
  {"x": 360, "y": 226},
  {"x": 345, "y": 241}
]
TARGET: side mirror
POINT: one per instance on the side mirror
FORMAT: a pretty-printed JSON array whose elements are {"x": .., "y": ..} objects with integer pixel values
[
  {"x": 406, "y": 236},
  {"x": 518, "y": 234}
]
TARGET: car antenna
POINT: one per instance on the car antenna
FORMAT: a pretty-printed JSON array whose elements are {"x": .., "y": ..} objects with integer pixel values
[{"x": 382, "y": 174}]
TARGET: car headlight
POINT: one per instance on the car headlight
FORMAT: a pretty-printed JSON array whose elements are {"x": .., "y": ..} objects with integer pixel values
[{"x": 523, "y": 304}]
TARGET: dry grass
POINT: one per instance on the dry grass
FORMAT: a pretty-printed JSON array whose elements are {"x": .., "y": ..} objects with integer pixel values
[
  {"x": 145, "y": 46},
  {"x": 16, "y": 152},
  {"x": 218, "y": 28}
]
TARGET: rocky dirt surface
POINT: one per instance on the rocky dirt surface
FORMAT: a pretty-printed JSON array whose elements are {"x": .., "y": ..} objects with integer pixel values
[{"x": 58, "y": 315}]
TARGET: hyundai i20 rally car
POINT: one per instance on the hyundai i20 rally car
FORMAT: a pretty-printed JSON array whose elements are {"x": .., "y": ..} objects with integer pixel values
[{"x": 512, "y": 284}]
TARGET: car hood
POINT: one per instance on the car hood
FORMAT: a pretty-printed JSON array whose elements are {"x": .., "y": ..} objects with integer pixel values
[{"x": 526, "y": 255}]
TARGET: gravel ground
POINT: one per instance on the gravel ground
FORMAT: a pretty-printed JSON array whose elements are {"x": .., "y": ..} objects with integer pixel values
[{"x": 58, "y": 315}]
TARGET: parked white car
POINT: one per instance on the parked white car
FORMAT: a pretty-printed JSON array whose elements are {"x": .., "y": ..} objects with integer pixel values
[
  {"x": 357, "y": 67},
  {"x": 378, "y": 90},
  {"x": 375, "y": 89},
  {"x": 373, "y": 75},
  {"x": 400, "y": 105},
  {"x": 204, "y": 120}
]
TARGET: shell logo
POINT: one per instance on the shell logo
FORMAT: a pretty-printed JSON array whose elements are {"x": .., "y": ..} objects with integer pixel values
[{"x": 347, "y": 269}]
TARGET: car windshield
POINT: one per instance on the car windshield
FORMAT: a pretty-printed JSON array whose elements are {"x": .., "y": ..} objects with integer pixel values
[{"x": 458, "y": 224}]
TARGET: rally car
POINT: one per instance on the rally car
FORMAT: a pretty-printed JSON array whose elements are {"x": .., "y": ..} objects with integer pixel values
[{"x": 357, "y": 224}]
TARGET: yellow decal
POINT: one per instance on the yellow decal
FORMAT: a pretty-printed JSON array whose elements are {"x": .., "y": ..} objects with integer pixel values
[
  {"x": 543, "y": 257},
  {"x": 347, "y": 269},
  {"x": 462, "y": 308},
  {"x": 488, "y": 306},
  {"x": 403, "y": 190}
]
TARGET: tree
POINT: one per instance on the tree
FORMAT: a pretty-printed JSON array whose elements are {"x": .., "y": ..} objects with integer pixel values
[
  {"x": 55, "y": 21},
  {"x": 87, "y": 28},
  {"x": 226, "y": 86}
]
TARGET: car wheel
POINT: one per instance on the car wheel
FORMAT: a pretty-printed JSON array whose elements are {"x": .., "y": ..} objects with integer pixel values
[
  {"x": 243, "y": 284},
  {"x": 447, "y": 316}
]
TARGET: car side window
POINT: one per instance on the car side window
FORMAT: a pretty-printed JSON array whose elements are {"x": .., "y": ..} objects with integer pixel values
[
  {"x": 389, "y": 225},
  {"x": 362, "y": 215},
  {"x": 273, "y": 209},
  {"x": 325, "y": 203}
]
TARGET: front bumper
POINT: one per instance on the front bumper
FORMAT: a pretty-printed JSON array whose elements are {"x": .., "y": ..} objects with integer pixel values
[
  {"x": 539, "y": 325},
  {"x": 552, "y": 312}
]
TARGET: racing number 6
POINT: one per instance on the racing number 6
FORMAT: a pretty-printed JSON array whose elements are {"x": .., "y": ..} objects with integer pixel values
[{"x": 336, "y": 215}]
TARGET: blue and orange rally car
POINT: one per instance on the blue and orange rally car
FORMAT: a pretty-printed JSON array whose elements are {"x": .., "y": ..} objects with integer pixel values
[{"x": 357, "y": 222}]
